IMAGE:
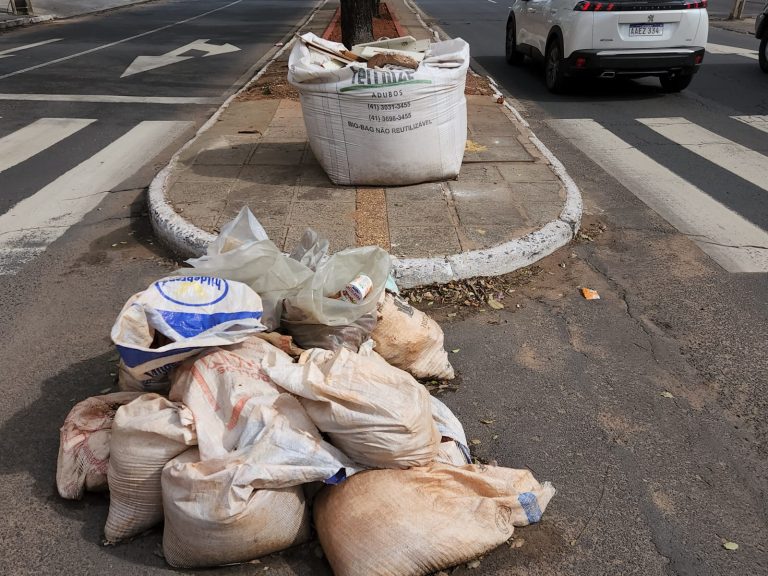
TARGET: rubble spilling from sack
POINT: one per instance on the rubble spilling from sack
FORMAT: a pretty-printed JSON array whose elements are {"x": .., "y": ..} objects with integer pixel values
[
  {"x": 260, "y": 388},
  {"x": 391, "y": 112}
]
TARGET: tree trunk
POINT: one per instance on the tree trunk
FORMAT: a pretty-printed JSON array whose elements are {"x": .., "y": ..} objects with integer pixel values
[{"x": 356, "y": 22}]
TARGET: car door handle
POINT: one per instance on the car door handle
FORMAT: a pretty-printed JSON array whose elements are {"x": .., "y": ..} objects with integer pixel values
[{"x": 531, "y": 9}]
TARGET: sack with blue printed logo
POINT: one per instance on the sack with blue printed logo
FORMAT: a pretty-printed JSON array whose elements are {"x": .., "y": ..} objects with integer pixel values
[{"x": 176, "y": 318}]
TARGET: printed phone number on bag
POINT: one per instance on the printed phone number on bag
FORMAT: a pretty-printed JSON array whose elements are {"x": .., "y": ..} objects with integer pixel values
[
  {"x": 395, "y": 130},
  {"x": 385, "y": 107},
  {"x": 396, "y": 118}
]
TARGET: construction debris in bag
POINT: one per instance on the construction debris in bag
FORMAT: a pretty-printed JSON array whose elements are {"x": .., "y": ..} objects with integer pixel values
[
  {"x": 246, "y": 432},
  {"x": 409, "y": 339},
  {"x": 422, "y": 520},
  {"x": 84, "y": 444},
  {"x": 392, "y": 59}
]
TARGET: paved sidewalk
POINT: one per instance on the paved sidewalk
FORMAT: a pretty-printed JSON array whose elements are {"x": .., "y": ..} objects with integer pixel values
[
  {"x": 745, "y": 25},
  {"x": 508, "y": 208},
  {"x": 13, "y": 20}
]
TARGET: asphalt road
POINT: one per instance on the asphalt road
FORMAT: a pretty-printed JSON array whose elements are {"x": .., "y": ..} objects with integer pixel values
[
  {"x": 75, "y": 241},
  {"x": 646, "y": 407}
]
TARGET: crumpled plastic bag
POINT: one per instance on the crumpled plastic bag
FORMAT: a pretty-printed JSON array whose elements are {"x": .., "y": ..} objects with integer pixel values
[
  {"x": 177, "y": 317},
  {"x": 243, "y": 252}
]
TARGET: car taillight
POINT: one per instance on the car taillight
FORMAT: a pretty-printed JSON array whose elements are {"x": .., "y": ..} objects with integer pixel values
[
  {"x": 587, "y": 6},
  {"x": 638, "y": 5}
]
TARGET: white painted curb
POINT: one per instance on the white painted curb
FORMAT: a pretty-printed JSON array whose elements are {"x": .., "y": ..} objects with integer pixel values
[
  {"x": 188, "y": 240},
  {"x": 24, "y": 21}
]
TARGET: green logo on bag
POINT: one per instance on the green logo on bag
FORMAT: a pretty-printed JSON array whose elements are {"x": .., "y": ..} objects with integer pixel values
[{"x": 364, "y": 78}]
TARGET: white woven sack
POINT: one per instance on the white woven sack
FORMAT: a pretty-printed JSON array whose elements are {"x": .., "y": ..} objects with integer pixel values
[
  {"x": 409, "y": 339},
  {"x": 384, "y": 127},
  {"x": 422, "y": 520},
  {"x": 146, "y": 434},
  {"x": 213, "y": 518},
  {"x": 84, "y": 444},
  {"x": 242, "y": 415},
  {"x": 375, "y": 413}
]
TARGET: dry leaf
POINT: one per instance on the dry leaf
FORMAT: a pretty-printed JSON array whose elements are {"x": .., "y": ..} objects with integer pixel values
[
  {"x": 590, "y": 294},
  {"x": 667, "y": 394},
  {"x": 487, "y": 421},
  {"x": 455, "y": 350},
  {"x": 495, "y": 304},
  {"x": 730, "y": 546},
  {"x": 474, "y": 564},
  {"x": 475, "y": 441},
  {"x": 517, "y": 543}
]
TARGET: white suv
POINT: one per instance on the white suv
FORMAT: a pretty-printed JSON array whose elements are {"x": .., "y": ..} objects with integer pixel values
[{"x": 628, "y": 38}]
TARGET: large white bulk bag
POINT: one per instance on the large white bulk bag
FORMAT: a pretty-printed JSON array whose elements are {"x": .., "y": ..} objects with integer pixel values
[
  {"x": 385, "y": 127},
  {"x": 422, "y": 520},
  {"x": 212, "y": 518},
  {"x": 375, "y": 413},
  {"x": 84, "y": 444},
  {"x": 146, "y": 434}
]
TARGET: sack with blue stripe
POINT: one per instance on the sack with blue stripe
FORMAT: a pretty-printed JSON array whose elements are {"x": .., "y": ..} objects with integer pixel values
[{"x": 176, "y": 318}]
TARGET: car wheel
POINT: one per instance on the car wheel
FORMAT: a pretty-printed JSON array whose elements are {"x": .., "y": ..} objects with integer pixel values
[
  {"x": 675, "y": 82},
  {"x": 554, "y": 74},
  {"x": 763, "y": 57},
  {"x": 513, "y": 56}
]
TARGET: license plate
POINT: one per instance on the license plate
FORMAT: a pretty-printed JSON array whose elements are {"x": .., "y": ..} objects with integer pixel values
[{"x": 646, "y": 29}]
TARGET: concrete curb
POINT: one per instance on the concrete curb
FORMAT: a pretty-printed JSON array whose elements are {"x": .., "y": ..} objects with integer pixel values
[
  {"x": 188, "y": 240},
  {"x": 25, "y": 21}
]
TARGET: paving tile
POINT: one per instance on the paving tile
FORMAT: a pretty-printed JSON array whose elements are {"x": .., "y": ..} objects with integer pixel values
[
  {"x": 204, "y": 173},
  {"x": 424, "y": 214},
  {"x": 334, "y": 193},
  {"x": 480, "y": 192},
  {"x": 199, "y": 191},
  {"x": 339, "y": 237},
  {"x": 480, "y": 173},
  {"x": 488, "y": 213},
  {"x": 244, "y": 191},
  {"x": 282, "y": 154},
  {"x": 525, "y": 192},
  {"x": 275, "y": 175},
  {"x": 277, "y": 235},
  {"x": 420, "y": 242},
  {"x": 420, "y": 192},
  {"x": 496, "y": 149},
  {"x": 322, "y": 213},
  {"x": 204, "y": 215},
  {"x": 492, "y": 235},
  {"x": 287, "y": 134},
  {"x": 269, "y": 214},
  {"x": 233, "y": 155},
  {"x": 539, "y": 213},
  {"x": 313, "y": 175},
  {"x": 524, "y": 172}
]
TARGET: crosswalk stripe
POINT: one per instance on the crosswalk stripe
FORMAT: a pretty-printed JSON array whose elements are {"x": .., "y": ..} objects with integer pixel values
[
  {"x": 740, "y": 160},
  {"x": 35, "y": 222},
  {"x": 36, "y": 137},
  {"x": 732, "y": 241},
  {"x": 733, "y": 50},
  {"x": 759, "y": 122}
]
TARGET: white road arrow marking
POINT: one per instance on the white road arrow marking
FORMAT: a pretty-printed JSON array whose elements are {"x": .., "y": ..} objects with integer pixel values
[
  {"x": 146, "y": 63},
  {"x": 8, "y": 53}
]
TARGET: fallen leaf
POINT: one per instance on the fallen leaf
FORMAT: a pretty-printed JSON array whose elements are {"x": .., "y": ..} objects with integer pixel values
[
  {"x": 495, "y": 304},
  {"x": 517, "y": 543},
  {"x": 487, "y": 421},
  {"x": 474, "y": 564},
  {"x": 475, "y": 441},
  {"x": 667, "y": 394},
  {"x": 730, "y": 546},
  {"x": 455, "y": 350}
]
